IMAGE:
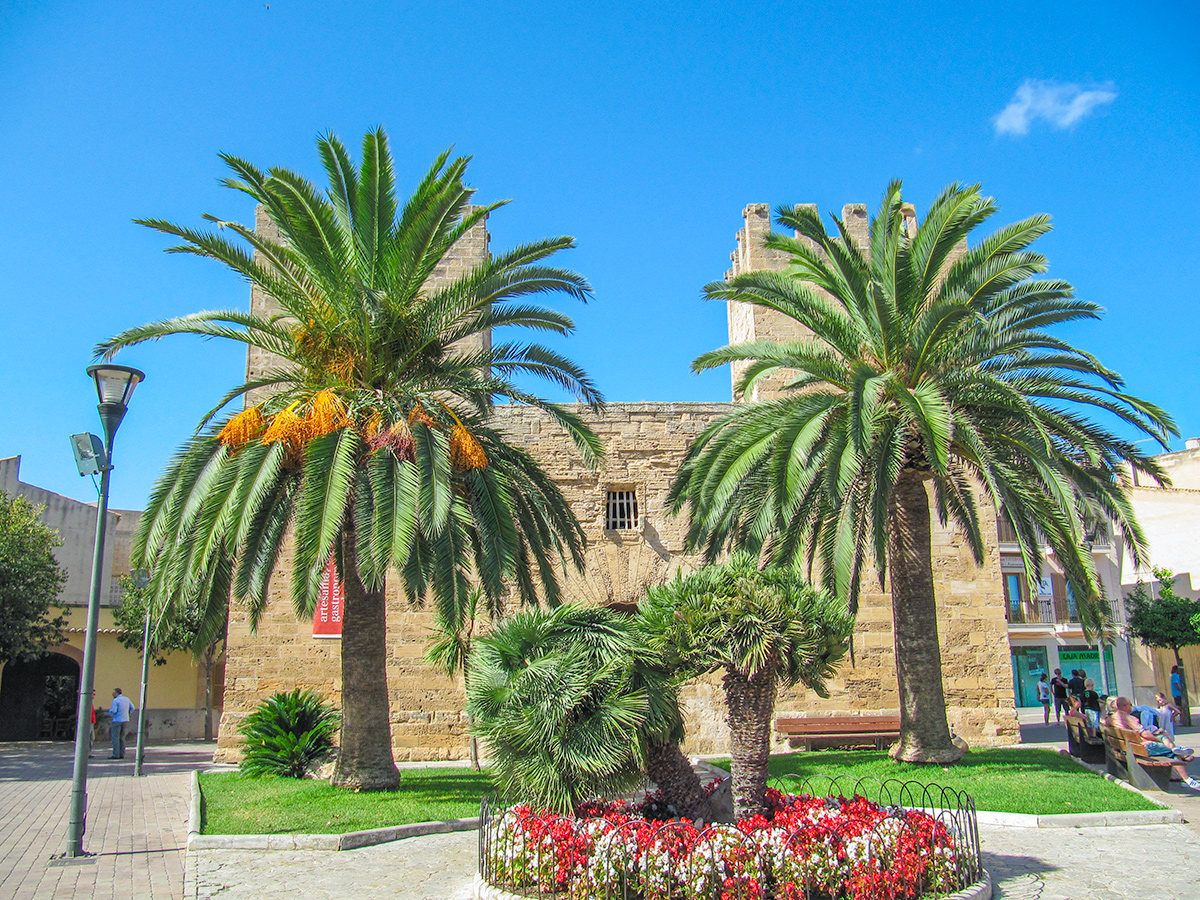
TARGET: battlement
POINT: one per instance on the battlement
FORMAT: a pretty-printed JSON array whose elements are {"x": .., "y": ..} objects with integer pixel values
[
  {"x": 751, "y": 323},
  {"x": 468, "y": 252}
]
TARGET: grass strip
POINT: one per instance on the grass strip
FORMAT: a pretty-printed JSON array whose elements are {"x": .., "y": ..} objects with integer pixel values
[
  {"x": 1008, "y": 779},
  {"x": 238, "y": 804}
]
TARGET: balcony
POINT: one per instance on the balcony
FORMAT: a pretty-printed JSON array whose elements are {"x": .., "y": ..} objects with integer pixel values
[
  {"x": 1042, "y": 611},
  {"x": 1100, "y": 535}
]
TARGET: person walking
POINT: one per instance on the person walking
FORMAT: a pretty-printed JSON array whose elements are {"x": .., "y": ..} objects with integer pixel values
[
  {"x": 1043, "y": 692},
  {"x": 1058, "y": 686},
  {"x": 120, "y": 711}
]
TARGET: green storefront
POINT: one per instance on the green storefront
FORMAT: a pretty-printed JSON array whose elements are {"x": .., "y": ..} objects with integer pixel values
[{"x": 1029, "y": 663}]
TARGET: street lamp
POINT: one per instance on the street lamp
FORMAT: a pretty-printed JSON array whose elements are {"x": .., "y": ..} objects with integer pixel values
[{"x": 114, "y": 387}]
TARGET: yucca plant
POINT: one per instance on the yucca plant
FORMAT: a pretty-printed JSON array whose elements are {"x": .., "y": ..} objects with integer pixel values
[
  {"x": 762, "y": 630},
  {"x": 930, "y": 372},
  {"x": 370, "y": 437},
  {"x": 287, "y": 734}
]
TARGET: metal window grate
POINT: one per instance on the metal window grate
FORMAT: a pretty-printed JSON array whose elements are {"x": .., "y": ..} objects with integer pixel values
[{"x": 621, "y": 512}]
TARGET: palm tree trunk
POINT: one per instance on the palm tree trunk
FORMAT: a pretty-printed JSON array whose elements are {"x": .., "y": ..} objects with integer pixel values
[
  {"x": 750, "y": 702},
  {"x": 924, "y": 734},
  {"x": 209, "y": 662},
  {"x": 672, "y": 772},
  {"x": 365, "y": 757}
]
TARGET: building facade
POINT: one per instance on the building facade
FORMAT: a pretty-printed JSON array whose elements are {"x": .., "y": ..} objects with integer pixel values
[
  {"x": 32, "y": 693},
  {"x": 633, "y": 542}
]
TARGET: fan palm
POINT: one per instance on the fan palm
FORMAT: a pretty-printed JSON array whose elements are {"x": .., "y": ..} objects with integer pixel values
[
  {"x": 551, "y": 693},
  {"x": 574, "y": 705},
  {"x": 369, "y": 438},
  {"x": 763, "y": 629},
  {"x": 929, "y": 368}
]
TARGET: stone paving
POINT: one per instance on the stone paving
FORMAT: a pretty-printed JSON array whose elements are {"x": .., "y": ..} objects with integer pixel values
[
  {"x": 433, "y": 867},
  {"x": 136, "y": 827},
  {"x": 1148, "y": 862}
]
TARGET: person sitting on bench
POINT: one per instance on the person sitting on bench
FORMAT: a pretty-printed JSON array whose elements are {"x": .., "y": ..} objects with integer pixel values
[
  {"x": 1124, "y": 719},
  {"x": 1090, "y": 701},
  {"x": 1168, "y": 714}
]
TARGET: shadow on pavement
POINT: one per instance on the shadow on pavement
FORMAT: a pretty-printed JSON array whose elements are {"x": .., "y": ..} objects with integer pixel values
[{"x": 54, "y": 760}]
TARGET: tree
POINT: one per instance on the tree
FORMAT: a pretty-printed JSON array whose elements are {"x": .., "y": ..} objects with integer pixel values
[
  {"x": 30, "y": 582},
  {"x": 185, "y": 628},
  {"x": 551, "y": 694},
  {"x": 929, "y": 370},
  {"x": 574, "y": 705},
  {"x": 372, "y": 441},
  {"x": 1159, "y": 617},
  {"x": 762, "y": 629}
]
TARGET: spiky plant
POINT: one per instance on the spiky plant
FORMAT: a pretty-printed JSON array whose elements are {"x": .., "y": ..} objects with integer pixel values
[
  {"x": 930, "y": 370},
  {"x": 287, "y": 734},
  {"x": 762, "y": 629},
  {"x": 370, "y": 436}
]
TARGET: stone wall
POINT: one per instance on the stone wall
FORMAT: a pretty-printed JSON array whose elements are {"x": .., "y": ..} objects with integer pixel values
[{"x": 644, "y": 444}]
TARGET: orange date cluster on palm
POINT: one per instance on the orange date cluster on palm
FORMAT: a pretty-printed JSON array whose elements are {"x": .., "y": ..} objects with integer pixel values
[{"x": 299, "y": 423}]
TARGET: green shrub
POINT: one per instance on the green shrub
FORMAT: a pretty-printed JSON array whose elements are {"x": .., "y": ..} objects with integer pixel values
[{"x": 287, "y": 734}]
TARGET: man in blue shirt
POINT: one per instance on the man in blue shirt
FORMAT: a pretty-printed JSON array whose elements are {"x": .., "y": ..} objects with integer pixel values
[{"x": 122, "y": 706}]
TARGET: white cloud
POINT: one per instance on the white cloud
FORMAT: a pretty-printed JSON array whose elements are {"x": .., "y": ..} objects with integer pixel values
[{"x": 1062, "y": 105}]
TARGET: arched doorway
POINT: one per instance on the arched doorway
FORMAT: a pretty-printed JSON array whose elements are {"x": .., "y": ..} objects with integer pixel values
[{"x": 38, "y": 699}]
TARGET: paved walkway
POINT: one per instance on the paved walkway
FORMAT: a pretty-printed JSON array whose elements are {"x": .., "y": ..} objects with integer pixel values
[
  {"x": 1149, "y": 862},
  {"x": 136, "y": 827},
  {"x": 433, "y": 867}
]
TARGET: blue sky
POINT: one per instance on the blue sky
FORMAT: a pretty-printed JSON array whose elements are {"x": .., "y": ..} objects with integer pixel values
[{"x": 642, "y": 132}]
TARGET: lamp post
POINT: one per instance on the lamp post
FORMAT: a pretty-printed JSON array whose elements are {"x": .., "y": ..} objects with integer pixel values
[
  {"x": 114, "y": 387},
  {"x": 141, "y": 578}
]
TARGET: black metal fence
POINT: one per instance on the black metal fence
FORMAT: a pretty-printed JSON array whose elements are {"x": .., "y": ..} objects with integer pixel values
[{"x": 864, "y": 839}]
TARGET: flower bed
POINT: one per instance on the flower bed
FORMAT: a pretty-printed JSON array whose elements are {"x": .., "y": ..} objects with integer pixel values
[{"x": 806, "y": 848}]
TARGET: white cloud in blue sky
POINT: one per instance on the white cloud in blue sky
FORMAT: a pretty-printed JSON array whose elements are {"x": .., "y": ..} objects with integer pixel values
[{"x": 1061, "y": 105}]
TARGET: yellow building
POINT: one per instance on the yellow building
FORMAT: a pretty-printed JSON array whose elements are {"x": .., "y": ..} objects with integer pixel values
[{"x": 37, "y": 699}]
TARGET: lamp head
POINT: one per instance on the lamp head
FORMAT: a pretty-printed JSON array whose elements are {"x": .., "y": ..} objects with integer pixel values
[
  {"x": 115, "y": 384},
  {"x": 114, "y": 388}
]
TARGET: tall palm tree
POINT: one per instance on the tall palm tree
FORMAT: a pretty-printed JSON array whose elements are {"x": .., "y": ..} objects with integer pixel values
[
  {"x": 762, "y": 629},
  {"x": 370, "y": 439},
  {"x": 930, "y": 368}
]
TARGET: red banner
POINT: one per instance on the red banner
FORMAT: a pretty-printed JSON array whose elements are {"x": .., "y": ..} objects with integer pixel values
[{"x": 327, "y": 617}]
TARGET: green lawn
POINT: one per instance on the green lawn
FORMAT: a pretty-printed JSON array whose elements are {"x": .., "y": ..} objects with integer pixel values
[
  {"x": 1017, "y": 780},
  {"x": 237, "y": 804}
]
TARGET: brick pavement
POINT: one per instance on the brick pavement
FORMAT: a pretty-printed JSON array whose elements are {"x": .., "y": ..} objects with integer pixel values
[{"x": 136, "y": 827}]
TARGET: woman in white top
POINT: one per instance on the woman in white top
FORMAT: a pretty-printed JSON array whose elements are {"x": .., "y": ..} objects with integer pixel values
[
  {"x": 1043, "y": 689},
  {"x": 1168, "y": 713}
]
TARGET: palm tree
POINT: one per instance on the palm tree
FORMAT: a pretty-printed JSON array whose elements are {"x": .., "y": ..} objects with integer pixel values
[
  {"x": 551, "y": 693},
  {"x": 575, "y": 705},
  {"x": 929, "y": 369},
  {"x": 370, "y": 440},
  {"x": 763, "y": 629}
]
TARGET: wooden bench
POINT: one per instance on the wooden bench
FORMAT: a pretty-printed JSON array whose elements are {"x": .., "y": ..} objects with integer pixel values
[
  {"x": 1126, "y": 756},
  {"x": 1082, "y": 743},
  {"x": 840, "y": 731}
]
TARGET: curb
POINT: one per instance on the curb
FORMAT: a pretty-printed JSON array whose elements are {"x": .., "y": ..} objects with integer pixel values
[
  {"x": 351, "y": 840},
  {"x": 1080, "y": 820},
  {"x": 481, "y": 890}
]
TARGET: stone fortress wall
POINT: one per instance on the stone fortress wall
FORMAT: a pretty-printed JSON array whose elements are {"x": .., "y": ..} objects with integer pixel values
[{"x": 645, "y": 442}]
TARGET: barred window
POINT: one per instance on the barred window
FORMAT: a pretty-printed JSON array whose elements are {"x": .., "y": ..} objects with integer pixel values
[{"x": 621, "y": 511}]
